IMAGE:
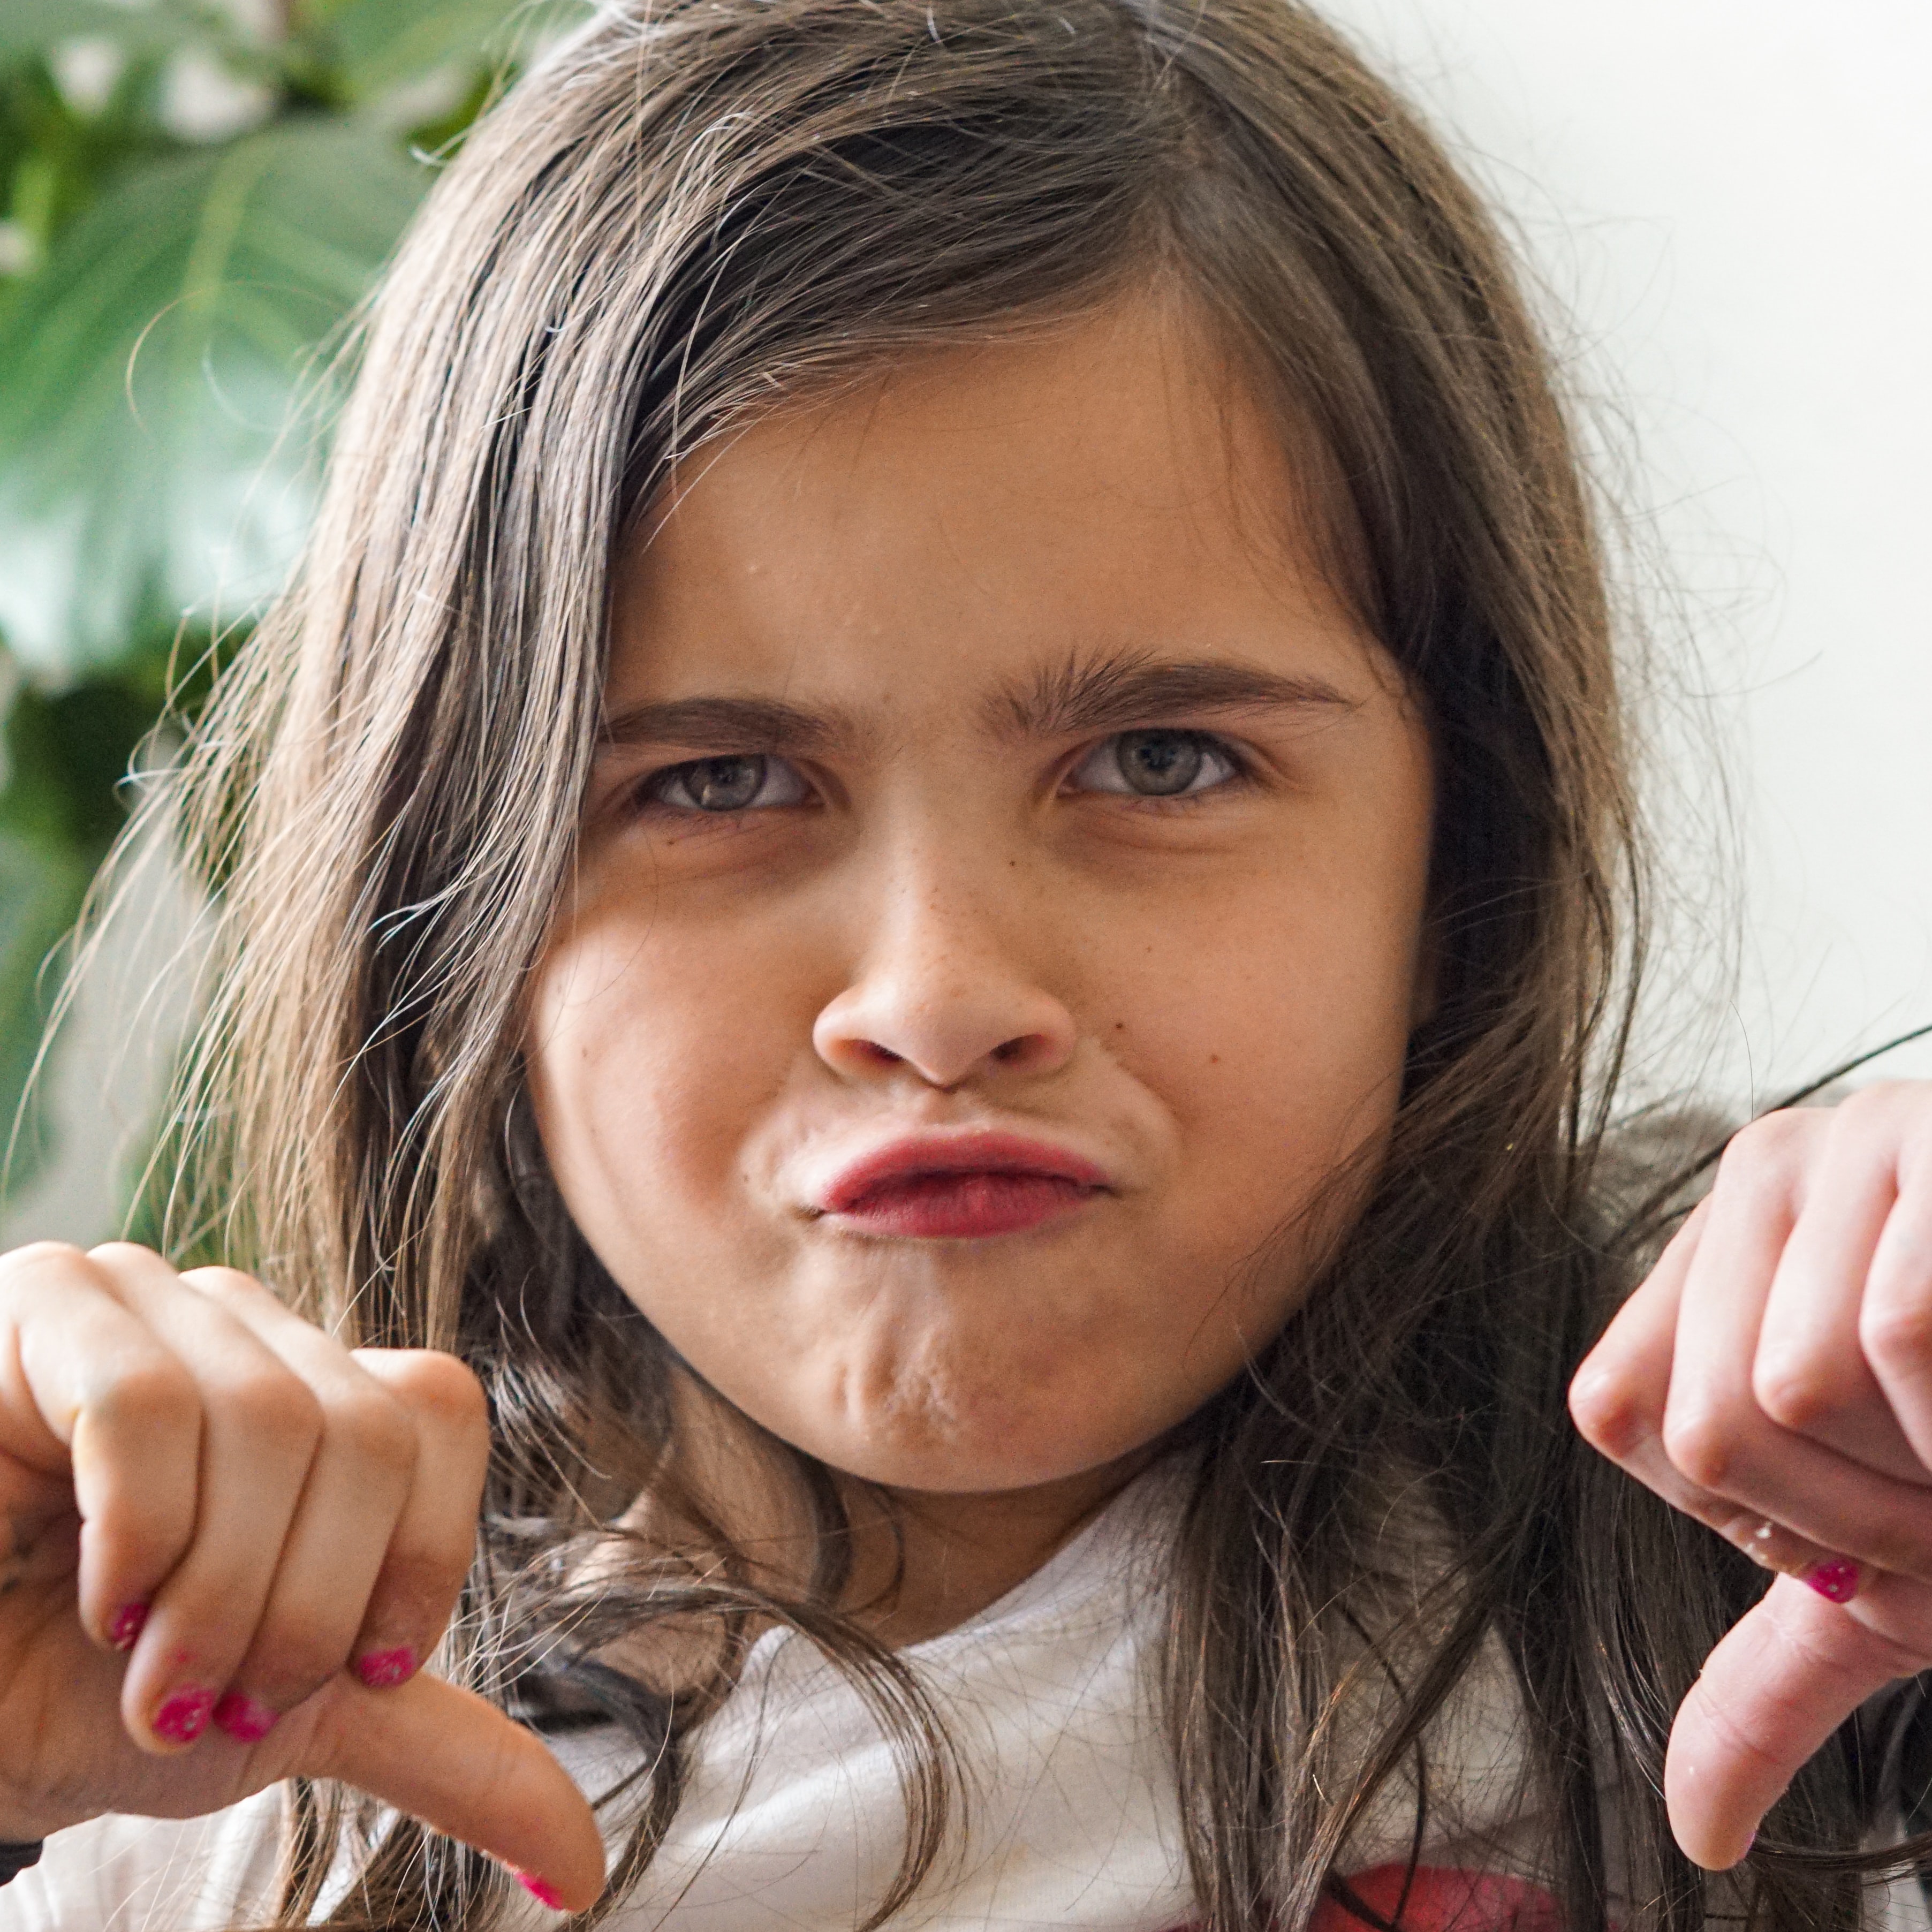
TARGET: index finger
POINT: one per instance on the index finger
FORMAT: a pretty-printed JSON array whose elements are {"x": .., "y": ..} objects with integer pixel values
[{"x": 89, "y": 1393}]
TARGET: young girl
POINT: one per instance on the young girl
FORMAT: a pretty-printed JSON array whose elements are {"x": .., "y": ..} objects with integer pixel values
[{"x": 927, "y": 903}]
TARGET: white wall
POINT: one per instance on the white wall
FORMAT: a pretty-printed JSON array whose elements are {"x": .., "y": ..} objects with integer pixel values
[{"x": 1734, "y": 199}]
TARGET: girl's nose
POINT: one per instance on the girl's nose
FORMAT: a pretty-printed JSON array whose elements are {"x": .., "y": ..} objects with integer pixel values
[{"x": 946, "y": 1001}]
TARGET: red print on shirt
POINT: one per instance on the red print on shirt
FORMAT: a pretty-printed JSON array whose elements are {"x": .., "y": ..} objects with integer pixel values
[
  {"x": 1442, "y": 1898},
  {"x": 1436, "y": 1898}
]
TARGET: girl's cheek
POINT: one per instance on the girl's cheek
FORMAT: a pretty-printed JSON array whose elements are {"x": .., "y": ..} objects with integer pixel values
[{"x": 647, "y": 1059}]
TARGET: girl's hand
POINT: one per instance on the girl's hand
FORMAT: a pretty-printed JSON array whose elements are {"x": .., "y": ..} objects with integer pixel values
[
  {"x": 1773, "y": 1378},
  {"x": 231, "y": 1541}
]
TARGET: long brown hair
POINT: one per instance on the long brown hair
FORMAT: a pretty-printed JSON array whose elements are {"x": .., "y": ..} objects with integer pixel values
[{"x": 692, "y": 211}]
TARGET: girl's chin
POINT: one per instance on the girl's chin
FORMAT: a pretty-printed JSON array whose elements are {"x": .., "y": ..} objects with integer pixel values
[{"x": 936, "y": 1457}]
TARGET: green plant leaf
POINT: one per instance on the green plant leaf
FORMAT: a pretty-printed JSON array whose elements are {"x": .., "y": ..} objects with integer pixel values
[
  {"x": 42, "y": 883},
  {"x": 384, "y": 43},
  {"x": 30, "y": 26},
  {"x": 148, "y": 465},
  {"x": 65, "y": 756}
]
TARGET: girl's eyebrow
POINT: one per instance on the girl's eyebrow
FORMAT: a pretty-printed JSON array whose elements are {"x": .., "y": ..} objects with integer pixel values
[
  {"x": 1112, "y": 695},
  {"x": 1115, "y": 693},
  {"x": 729, "y": 725}
]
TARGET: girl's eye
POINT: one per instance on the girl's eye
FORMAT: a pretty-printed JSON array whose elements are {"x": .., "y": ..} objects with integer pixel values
[
  {"x": 740, "y": 783},
  {"x": 1156, "y": 764}
]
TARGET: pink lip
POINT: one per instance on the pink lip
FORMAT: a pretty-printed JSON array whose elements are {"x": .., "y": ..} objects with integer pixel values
[{"x": 961, "y": 1186}]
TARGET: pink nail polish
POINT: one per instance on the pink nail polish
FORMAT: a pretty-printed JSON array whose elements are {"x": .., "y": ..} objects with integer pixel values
[
  {"x": 184, "y": 1716},
  {"x": 1837, "y": 1579},
  {"x": 384, "y": 1670},
  {"x": 243, "y": 1719},
  {"x": 541, "y": 1889},
  {"x": 124, "y": 1632}
]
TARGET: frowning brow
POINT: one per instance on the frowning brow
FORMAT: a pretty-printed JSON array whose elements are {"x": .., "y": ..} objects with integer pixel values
[
  {"x": 1116, "y": 694},
  {"x": 1113, "y": 694},
  {"x": 729, "y": 725}
]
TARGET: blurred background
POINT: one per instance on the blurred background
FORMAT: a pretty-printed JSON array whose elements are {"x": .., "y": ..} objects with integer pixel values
[
  {"x": 1724, "y": 206},
  {"x": 194, "y": 196},
  {"x": 1731, "y": 202}
]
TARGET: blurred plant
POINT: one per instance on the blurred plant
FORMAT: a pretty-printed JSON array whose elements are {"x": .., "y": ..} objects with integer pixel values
[{"x": 197, "y": 193}]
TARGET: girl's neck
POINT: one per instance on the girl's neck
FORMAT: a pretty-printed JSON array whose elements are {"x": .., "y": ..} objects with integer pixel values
[{"x": 923, "y": 1563}]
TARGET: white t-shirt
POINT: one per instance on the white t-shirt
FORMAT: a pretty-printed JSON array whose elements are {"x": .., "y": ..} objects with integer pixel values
[{"x": 793, "y": 1818}]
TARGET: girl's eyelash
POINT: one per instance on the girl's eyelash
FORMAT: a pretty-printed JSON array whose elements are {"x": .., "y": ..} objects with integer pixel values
[
  {"x": 1163, "y": 743},
  {"x": 728, "y": 785},
  {"x": 724, "y": 786}
]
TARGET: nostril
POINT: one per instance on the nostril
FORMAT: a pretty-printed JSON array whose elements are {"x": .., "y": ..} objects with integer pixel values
[
  {"x": 1010, "y": 1049},
  {"x": 884, "y": 1055}
]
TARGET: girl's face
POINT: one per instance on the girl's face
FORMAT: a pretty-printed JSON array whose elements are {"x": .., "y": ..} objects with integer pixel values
[{"x": 999, "y": 911}]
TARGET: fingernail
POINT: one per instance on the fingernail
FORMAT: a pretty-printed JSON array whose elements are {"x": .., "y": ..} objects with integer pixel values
[
  {"x": 124, "y": 1632},
  {"x": 1836, "y": 1580},
  {"x": 184, "y": 1716},
  {"x": 243, "y": 1719},
  {"x": 384, "y": 1670},
  {"x": 541, "y": 1889}
]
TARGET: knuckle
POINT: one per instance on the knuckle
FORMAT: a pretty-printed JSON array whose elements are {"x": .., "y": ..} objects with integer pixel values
[
  {"x": 156, "y": 1394},
  {"x": 41, "y": 1257},
  {"x": 1896, "y": 1333},
  {"x": 374, "y": 1427},
  {"x": 227, "y": 1286},
  {"x": 42, "y": 1273},
  {"x": 1883, "y": 1101},
  {"x": 1796, "y": 1395},
  {"x": 122, "y": 1254},
  {"x": 1766, "y": 1145},
  {"x": 1608, "y": 1412},
  {"x": 273, "y": 1402},
  {"x": 1703, "y": 1446},
  {"x": 442, "y": 1389}
]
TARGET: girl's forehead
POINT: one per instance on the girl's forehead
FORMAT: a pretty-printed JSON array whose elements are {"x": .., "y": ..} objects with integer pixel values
[
  {"x": 1112, "y": 487},
  {"x": 1134, "y": 410}
]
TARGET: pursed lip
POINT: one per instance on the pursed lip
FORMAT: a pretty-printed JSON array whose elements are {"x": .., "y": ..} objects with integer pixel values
[{"x": 979, "y": 1151}]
